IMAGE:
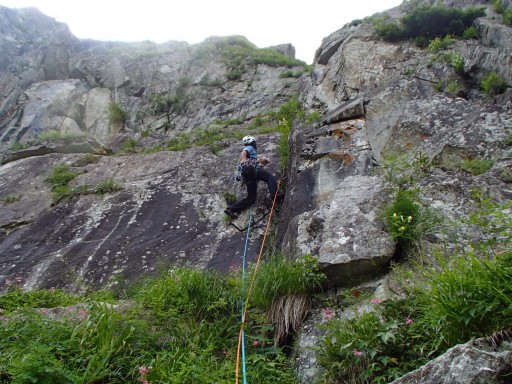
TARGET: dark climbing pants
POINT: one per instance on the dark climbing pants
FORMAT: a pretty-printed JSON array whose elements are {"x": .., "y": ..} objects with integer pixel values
[{"x": 252, "y": 189}]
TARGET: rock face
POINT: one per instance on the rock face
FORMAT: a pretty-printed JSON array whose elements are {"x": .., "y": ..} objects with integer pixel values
[
  {"x": 168, "y": 212},
  {"x": 479, "y": 361},
  {"x": 107, "y": 110},
  {"x": 65, "y": 98},
  {"x": 380, "y": 102}
]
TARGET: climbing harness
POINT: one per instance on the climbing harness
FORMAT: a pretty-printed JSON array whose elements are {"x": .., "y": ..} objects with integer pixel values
[{"x": 241, "y": 347}]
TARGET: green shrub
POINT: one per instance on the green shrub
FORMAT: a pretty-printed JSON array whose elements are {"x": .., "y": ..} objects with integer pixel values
[
  {"x": 107, "y": 186},
  {"x": 18, "y": 146},
  {"x": 175, "y": 102},
  {"x": 191, "y": 293},
  {"x": 453, "y": 87},
  {"x": 130, "y": 145},
  {"x": 467, "y": 297},
  {"x": 40, "y": 365},
  {"x": 390, "y": 31},
  {"x": 207, "y": 82},
  {"x": 313, "y": 117},
  {"x": 470, "y": 33},
  {"x": 52, "y": 135},
  {"x": 457, "y": 62},
  {"x": 493, "y": 84},
  {"x": 280, "y": 276},
  {"x": 235, "y": 74},
  {"x": 17, "y": 298},
  {"x": 61, "y": 175},
  {"x": 498, "y": 6},
  {"x": 477, "y": 166},
  {"x": 438, "y": 44},
  {"x": 432, "y": 21},
  {"x": 364, "y": 350},
  {"x": 117, "y": 114},
  {"x": 401, "y": 217},
  {"x": 290, "y": 74},
  {"x": 10, "y": 199},
  {"x": 439, "y": 86},
  {"x": 507, "y": 17},
  {"x": 427, "y": 22}
]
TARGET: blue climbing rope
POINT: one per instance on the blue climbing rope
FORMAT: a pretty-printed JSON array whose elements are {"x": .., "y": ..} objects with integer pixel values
[
  {"x": 244, "y": 372},
  {"x": 244, "y": 306}
]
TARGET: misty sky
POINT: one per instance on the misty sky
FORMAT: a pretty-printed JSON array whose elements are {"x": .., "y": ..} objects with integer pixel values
[{"x": 263, "y": 22}]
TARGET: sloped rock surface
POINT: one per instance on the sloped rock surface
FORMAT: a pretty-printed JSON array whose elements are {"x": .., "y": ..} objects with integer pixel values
[
  {"x": 479, "y": 361},
  {"x": 169, "y": 212}
]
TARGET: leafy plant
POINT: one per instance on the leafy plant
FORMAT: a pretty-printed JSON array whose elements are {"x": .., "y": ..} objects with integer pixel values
[
  {"x": 493, "y": 84},
  {"x": 235, "y": 74},
  {"x": 207, "y": 82},
  {"x": 61, "y": 175},
  {"x": 401, "y": 217},
  {"x": 457, "y": 62},
  {"x": 18, "y": 146},
  {"x": 130, "y": 145},
  {"x": 453, "y": 87},
  {"x": 438, "y": 44},
  {"x": 10, "y": 199},
  {"x": 313, "y": 117},
  {"x": 507, "y": 17},
  {"x": 116, "y": 113},
  {"x": 280, "y": 276},
  {"x": 498, "y": 6},
  {"x": 52, "y": 135},
  {"x": 290, "y": 74},
  {"x": 107, "y": 186},
  {"x": 283, "y": 287},
  {"x": 477, "y": 166},
  {"x": 425, "y": 23},
  {"x": 470, "y": 33},
  {"x": 59, "y": 178},
  {"x": 40, "y": 365}
]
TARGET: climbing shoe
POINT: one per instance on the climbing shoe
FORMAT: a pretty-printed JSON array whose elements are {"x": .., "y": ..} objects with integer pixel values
[{"x": 230, "y": 213}]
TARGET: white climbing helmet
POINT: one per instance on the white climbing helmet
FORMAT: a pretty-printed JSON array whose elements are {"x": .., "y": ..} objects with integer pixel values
[{"x": 248, "y": 140}]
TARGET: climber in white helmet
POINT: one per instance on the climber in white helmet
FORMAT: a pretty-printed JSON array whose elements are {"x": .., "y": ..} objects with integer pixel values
[{"x": 251, "y": 172}]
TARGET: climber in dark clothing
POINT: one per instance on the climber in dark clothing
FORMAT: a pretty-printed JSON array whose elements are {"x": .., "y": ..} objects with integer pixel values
[{"x": 251, "y": 171}]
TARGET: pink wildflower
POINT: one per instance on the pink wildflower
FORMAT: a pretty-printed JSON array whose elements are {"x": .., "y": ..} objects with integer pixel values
[
  {"x": 357, "y": 353},
  {"x": 82, "y": 314},
  {"x": 408, "y": 320},
  {"x": 256, "y": 343},
  {"x": 18, "y": 279},
  {"x": 376, "y": 301},
  {"x": 328, "y": 313},
  {"x": 143, "y": 370}
]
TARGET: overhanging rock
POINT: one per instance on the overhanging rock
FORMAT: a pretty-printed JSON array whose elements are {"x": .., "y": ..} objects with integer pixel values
[{"x": 350, "y": 110}]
